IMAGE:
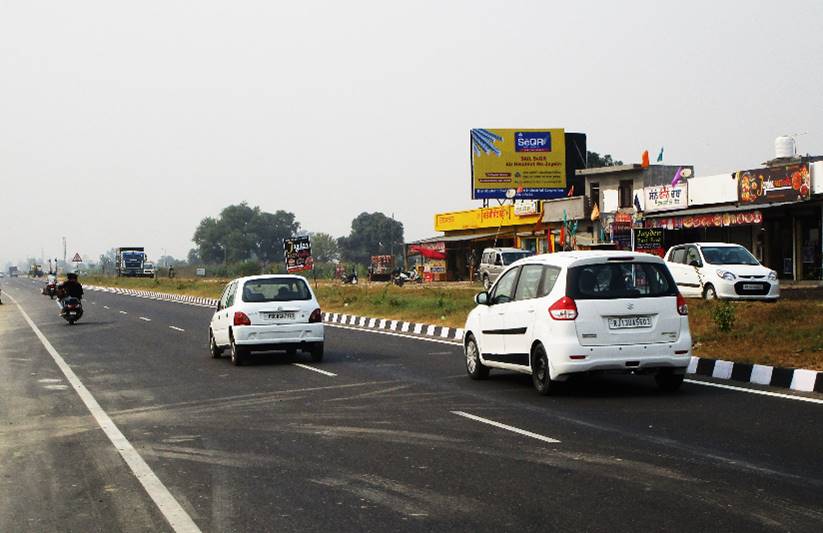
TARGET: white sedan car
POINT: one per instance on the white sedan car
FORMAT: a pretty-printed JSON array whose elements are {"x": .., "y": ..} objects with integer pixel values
[
  {"x": 721, "y": 270},
  {"x": 565, "y": 313},
  {"x": 264, "y": 313}
]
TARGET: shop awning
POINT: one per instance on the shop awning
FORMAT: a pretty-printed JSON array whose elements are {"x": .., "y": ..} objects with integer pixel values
[
  {"x": 720, "y": 208},
  {"x": 428, "y": 253},
  {"x": 462, "y": 238}
]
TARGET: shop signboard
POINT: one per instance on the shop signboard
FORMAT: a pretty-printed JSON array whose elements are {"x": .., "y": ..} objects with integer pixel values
[
  {"x": 526, "y": 207},
  {"x": 531, "y": 162},
  {"x": 665, "y": 197},
  {"x": 298, "y": 254},
  {"x": 486, "y": 217},
  {"x": 713, "y": 220},
  {"x": 786, "y": 183},
  {"x": 650, "y": 241}
]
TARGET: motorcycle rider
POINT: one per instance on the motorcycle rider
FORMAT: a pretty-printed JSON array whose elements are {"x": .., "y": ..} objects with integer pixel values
[{"x": 69, "y": 288}]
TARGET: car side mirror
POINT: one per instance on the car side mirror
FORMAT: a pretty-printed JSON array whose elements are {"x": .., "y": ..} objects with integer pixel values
[{"x": 481, "y": 298}]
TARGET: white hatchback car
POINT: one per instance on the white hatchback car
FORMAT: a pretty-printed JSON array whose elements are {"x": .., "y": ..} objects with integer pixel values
[
  {"x": 721, "y": 270},
  {"x": 264, "y": 313},
  {"x": 565, "y": 313}
]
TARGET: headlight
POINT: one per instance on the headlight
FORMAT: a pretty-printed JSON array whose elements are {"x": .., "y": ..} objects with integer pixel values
[
  {"x": 773, "y": 275},
  {"x": 725, "y": 274}
]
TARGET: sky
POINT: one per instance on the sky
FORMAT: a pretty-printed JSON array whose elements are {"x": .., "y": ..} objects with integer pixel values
[{"x": 126, "y": 123}]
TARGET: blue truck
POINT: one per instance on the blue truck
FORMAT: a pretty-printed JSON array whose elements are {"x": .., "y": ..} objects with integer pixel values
[{"x": 130, "y": 261}]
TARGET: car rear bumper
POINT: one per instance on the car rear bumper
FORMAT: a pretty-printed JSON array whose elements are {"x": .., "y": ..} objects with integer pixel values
[
  {"x": 636, "y": 358},
  {"x": 279, "y": 336}
]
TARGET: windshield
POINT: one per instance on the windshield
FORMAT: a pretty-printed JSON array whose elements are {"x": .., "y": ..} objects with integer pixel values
[
  {"x": 275, "y": 290},
  {"x": 511, "y": 257},
  {"x": 728, "y": 255}
]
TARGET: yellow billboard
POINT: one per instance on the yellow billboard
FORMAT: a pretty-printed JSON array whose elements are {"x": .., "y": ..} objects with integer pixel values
[
  {"x": 530, "y": 162},
  {"x": 486, "y": 217}
]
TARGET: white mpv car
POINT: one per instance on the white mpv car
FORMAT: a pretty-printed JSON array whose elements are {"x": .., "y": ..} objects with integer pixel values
[
  {"x": 721, "y": 270},
  {"x": 264, "y": 313},
  {"x": 559, "y": 314}
]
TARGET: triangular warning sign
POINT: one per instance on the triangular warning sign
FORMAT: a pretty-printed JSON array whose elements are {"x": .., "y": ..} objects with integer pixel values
[{"x": 76, "y": 258}]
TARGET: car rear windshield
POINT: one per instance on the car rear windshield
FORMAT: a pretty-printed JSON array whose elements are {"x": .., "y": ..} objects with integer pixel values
[
  {"x": 275, "y": 290},
  {"x": 511, "y": 257},
  {"x": 728, "y": 255},
  {"x": 604, "y": 281}
]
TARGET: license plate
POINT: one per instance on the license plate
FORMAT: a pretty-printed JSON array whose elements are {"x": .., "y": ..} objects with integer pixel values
[
  {"x": 752, "y": 287},
  {"x": 280, "y": 316},
  {"x": 629, "y": 322}
]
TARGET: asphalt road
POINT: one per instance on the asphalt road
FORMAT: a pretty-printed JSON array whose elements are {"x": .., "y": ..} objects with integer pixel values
[{"x": 398, "y": 439}]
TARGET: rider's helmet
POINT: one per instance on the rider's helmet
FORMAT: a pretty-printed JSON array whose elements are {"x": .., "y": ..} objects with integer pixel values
[{"x": 71, "y": 276}]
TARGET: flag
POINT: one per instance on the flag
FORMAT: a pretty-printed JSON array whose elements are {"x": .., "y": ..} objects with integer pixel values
[
  {"x": 645, "y": 159},
  {"x": 571, "y": 191},
  {"x": 660, "y": 155},
  {"x": 677, "y": 176},
  {"x": 637, "y": 203}
]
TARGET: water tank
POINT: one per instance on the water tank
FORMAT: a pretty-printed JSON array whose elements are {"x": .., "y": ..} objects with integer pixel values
[{"x": 784, "y": 146}]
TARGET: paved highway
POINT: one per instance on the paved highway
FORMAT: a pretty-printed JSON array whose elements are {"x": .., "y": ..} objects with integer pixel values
[{"x": 389, "y": 435}]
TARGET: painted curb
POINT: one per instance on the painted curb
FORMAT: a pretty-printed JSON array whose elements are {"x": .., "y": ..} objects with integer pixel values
[{"x": 797, "y": 379}]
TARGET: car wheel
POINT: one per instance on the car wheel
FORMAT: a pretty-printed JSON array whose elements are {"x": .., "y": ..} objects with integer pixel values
[
  {"x": 486, "y": 283},
  {"x": 238, "y": 354},
  {"x": 541, "y": 377},
  {"x": 216, "y": 351},
  {"x": 668, "y": 381},
  {"x": 474, "y": 367},
  {"x": 317, "y": 352},
  {"x": 710, "y": 293}
]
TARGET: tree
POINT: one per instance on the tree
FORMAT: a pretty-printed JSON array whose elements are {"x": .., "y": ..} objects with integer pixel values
[
  {"x": 594, "y": 160},
  {"x": 107, "y": 260},
  {"x": 243, "y": 233},
  {"x": 324, "y": 248},
  {"x": 371, "y": 234}
]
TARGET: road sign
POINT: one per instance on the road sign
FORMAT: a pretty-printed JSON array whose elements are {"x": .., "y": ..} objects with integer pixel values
[{"x": 77, "y": 258}]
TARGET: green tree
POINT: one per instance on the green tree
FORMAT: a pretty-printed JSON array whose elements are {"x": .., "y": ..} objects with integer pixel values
[
  {"x": 371, "y": 234},
  {"x": 106, "y": 262},
  {"x": 324, "y": 248},
  {"x": 595, "y": 160}
]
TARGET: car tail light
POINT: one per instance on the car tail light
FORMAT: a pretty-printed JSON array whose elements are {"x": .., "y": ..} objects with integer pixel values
[
  {"x": 563, "y": 309},
  {"x": 682, "y": 308},
  {"x": 316, "y": 316},
  {"x": 241, "y": 319}
]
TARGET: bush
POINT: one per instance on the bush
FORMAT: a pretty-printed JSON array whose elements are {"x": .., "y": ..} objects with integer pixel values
[{"x": 724, "y": 316}]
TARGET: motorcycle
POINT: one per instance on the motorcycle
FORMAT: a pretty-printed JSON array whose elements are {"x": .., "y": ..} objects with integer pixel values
[
  {"x": 51, "y": 289},
  {"x": 400, "y": 278},
  {"x": 350, "y": 279},
  {"x": 72, "y": 309}
]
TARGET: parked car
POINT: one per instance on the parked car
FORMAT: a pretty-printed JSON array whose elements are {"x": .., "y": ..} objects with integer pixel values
[
  {"x": 265, "y": 313},
  {"x": 721, "y": 270},
  {"x": 495, "y": 260},
  {"x": 566, "y": 313}
]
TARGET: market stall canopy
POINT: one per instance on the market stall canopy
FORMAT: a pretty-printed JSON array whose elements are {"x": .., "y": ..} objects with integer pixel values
[{"x": 428, "y": 253}]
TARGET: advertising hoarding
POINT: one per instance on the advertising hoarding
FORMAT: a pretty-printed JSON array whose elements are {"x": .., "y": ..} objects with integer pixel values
[
  {"x": 786, "y": 183},
  {"x": 486, "y": 217},
  {"x": 529, "y": 161},
  {"x": 298, "y": 254}
]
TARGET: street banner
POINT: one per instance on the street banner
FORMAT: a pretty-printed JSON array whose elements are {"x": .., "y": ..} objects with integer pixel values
[
  {"x": 530, "y": 162},
  {"x": 786, "y": 183},
  {"x": 298, "y": 254}
]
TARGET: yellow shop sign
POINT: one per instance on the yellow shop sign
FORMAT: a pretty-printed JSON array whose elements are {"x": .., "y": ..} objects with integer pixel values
[{"x": 486, "y": 217}]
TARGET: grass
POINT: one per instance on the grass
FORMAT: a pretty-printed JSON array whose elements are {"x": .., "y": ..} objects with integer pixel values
[{"x": 788, "y": 333}]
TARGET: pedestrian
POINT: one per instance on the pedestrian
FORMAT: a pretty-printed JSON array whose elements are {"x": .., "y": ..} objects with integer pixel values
[{"x": 171, "y": 271}]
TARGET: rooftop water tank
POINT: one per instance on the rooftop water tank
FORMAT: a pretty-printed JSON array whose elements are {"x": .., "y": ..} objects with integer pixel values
[{"x": 784, "y": 147}]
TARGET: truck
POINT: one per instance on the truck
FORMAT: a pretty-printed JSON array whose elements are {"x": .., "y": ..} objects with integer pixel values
[
  {"x": 13, "y": 272},
  {"x": 130, "y": 261}
]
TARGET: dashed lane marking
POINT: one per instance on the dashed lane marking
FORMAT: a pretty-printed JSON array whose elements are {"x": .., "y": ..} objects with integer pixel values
[
  {"x": 175, "y": 328},
  {"x": 506, "y": 427},
  {"x": 145, "y": 319},
  {"x": 123, "y": 312},
  {"x": 313, "y": 369},
  {"x": 106, "y": 307}
]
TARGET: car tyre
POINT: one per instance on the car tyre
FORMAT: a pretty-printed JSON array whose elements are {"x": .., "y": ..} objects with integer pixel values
[
  {"x": 317, "y": 352},
  {"x": 215, "y": 351},
  {"x": 474, "y": 367},
  {"x": 541, "y": 376},
  {"x": 710, "y": 293},
  {"x": 238, "y": 354},
  {"x": 668, "y": 381}
]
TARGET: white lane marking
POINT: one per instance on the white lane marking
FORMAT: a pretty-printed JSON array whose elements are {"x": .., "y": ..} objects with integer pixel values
[
  {"x": 178, "y": 518},
  {"x": 106, "y": 307},
  {"x": 307, "y": 367},
  {"x": 123, "y": 312},
  {"x": 756, "y": 391},
  {"x": 392, "y": 334},
  {"x": 175, "y": 328},
  {"x": 506, "y": 427},
  {"x": 145, "y": 319}
]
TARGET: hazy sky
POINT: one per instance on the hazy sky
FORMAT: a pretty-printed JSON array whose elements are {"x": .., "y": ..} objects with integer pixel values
[{"x": 155, "y": 114}]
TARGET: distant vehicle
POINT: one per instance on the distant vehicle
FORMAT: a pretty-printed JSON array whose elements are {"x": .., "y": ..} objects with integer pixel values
[
  {"x": 721, "y": 270},
  {"x": 130, "y": 261},
  {"x": 495, "y": 260},
  {"x": 149, "y": 270},
  {"x": 555, "y": 315},
  {"x": 264, "y": 313},
  {"x": 36, "y": 271},
  {"x": 13, "y": 272}
]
